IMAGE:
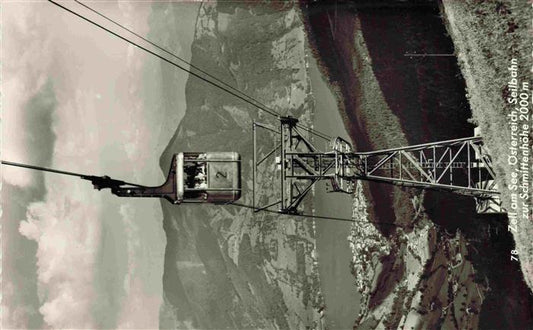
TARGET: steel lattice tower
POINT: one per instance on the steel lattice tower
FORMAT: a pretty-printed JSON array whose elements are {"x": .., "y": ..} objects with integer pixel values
[{"x": 461, "y": 166}]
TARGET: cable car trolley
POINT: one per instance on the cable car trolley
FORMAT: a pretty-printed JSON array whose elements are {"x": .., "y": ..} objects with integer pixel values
[
  {"x": 213, "y": 177},
  {"x": 194, "y": 177}
]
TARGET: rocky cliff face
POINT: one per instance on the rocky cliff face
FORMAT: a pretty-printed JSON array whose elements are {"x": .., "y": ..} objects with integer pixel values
[
  {"x": 432, "y": 268},
  {"x": 492, "y": 75},
  {"x": 226, "y": 267},
  {"x": 419, "y": 278}
]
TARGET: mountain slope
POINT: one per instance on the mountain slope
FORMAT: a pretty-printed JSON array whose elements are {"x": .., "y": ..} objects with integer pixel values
[{"x": 226, "y": 267}]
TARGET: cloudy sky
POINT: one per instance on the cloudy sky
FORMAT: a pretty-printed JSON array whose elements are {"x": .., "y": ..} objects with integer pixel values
[{"x": 78, "y": 99}]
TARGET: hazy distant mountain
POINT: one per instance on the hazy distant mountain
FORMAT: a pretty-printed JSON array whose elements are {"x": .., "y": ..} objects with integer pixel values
[{"x": 224, "y": 266}]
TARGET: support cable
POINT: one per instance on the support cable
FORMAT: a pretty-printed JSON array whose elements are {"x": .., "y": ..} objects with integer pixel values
[
  {"x": 230, "y": 90},
  {"x": 39, "y": 168},
  {"x": 240, "y": 94},
  {"x": 99, "y": 182},
  {"x": 161, "y": 57},
  {"x": 165, "y": 50},
  {"x": 318, "y": 216}
]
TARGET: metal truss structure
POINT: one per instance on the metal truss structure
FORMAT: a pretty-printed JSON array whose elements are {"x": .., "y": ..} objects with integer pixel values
[{"x": 461, "y": 166}]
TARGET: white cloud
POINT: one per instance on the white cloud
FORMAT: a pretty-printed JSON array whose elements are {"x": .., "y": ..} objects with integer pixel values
[
  {"x": 133, "y": 241},
  {"x": 23, "y": 77},
  {"x": 97, "y": 83},
  {"x": 14, "y": 316},
  {"x": 66, "y": 225},
  {"x": 66, "y": 228},
  {"x": 140, "y": 310}
]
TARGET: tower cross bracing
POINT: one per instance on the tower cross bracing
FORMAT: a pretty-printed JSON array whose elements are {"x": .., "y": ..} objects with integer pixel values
[{"x": 461, "y": 166}]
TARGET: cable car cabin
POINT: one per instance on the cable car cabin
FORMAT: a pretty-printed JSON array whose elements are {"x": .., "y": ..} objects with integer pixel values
[
  {"x": 212, "y": 177},
  {"x": 194, "y": 177}
]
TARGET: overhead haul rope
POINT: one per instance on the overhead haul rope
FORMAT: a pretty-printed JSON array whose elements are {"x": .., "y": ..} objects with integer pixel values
[
  {"x": 297, "y": 215},
  {"x": 106, "y": 182},
  {"x": 235, "y": 92},
  {"x": 100, "y": 182},
  {"x": 228, "y": 88},
  {"x": 160, "y": 57},
  {"x": 318, "y": 216},
  {"x": 169, "y": 52},
  {"x": 39, "y": 168}
]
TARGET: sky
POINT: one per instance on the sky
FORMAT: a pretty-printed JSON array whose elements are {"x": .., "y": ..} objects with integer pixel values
[{"x": 78, "y": 99}]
